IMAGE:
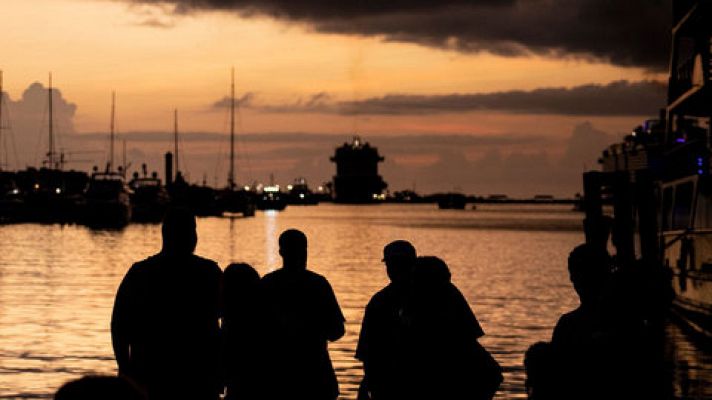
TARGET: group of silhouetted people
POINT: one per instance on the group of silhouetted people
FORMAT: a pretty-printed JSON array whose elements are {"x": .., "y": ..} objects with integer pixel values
[
  {"x": 608, "y": 347},
  {"x": 183, "y": 329}
]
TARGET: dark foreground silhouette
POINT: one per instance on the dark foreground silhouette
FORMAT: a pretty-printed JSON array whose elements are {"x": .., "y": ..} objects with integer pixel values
[
  {"x": 244, "y": 366},
  {"x": 165, "y": 323},
  {"x": 99, "y": 387},
  {"x": 606, "y": 348},
  {"x": 419, "y": 336},
  {"x": 300, "y": 316}
]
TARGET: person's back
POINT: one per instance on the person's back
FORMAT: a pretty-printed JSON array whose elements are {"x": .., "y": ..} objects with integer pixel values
[
  {"x": 242, "y": 333},
  {"x": 300, "y": 314},
  {"x": 449, "y": 362},
  {"x": 165, "y": 324}
]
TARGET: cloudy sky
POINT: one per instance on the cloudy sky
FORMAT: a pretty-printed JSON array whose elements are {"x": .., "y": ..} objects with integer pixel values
[{"x": 489, "y": 96}]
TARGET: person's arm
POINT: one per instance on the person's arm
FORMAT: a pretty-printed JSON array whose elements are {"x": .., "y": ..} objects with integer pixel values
[
  {"x": 120, "y": 322},
  {"x": 334, "y": 317}
]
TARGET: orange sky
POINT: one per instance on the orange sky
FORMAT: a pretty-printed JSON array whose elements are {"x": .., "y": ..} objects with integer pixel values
[{"x": 157, "y": 61}]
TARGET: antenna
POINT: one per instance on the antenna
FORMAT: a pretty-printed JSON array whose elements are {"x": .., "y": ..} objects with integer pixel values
[
  {"x": 123, "y": 159},
  {"x": 231, "y": 176},
  {"x": 175, "y": 137},
  {"x": 111, "y": 128},
  {"x": 50, "y": 153}
]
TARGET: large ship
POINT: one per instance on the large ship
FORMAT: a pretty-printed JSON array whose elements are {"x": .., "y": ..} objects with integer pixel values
[{"x": 659, "y": 181}]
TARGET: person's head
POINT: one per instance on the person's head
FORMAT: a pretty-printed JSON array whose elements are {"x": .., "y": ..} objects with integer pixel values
[
  {"x": 239, "y": 277},
  {"x": 589, "y": 271},
  {"x": 293, "y": 249},
  {"x": 399, "y": 257},
  {"x": 179, "y": 234},
  {"x": 99, "y": 387},
  {"x": 538, "y": 362},
  {"x": 431, "y": 271}
]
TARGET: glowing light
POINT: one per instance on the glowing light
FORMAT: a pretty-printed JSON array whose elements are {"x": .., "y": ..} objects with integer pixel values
[
  {"x": 58, "y": 190},
  {"x": 289, "y": 187},
  {"x": 247, "y": 188},
  {"x": 301, "y": 195},
  {"x": 680, "y": 140},
  {"x": 320, "y": 188},
  {"x": 37, "y": 185}
]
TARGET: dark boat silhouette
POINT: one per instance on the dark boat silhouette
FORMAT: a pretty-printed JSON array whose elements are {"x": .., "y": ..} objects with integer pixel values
[
  {"x": 659, "y": 178},
  {"x": 149, "y": 197},
  {"x": 271, "y": 198},
  {"x": 107, "y": 201},
  {"x": 300, "y": 194},
  {"x": 235, "y": 199},
  {"x": 452, "y": 201}
]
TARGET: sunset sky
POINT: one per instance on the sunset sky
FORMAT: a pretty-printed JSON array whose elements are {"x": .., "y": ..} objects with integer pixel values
[{"x": 488, "y": 96}]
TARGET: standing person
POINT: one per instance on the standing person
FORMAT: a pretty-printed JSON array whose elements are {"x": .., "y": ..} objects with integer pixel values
[
  {"x": 241, "y": 332},
  {"x": 301, "y": 315},
  {"x": 383, "y": 344},
  {"x": 164, "y": 327},
  {"x": 448, "y": 361}
]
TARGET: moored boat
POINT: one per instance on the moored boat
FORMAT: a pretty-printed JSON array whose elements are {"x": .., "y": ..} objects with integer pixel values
[{"x": 659, "y": 179}]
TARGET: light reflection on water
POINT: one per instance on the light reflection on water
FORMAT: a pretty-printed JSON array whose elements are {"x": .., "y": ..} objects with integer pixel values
[{"x": 57, "y": 284}]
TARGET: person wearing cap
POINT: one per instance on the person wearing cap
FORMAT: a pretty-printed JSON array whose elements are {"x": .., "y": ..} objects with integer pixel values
[
  {"x": 383, "y": 344},
  {"x": 165, "y": 323}
]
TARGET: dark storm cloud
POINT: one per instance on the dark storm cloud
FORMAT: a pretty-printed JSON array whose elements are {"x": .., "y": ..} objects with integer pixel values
[
  {"x": 620, "y": 98},
  {"x": 623, "y": 32}
]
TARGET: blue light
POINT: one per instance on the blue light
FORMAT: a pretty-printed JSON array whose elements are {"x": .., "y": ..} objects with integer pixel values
[
  {"x": 699, "y": 172},
  {"x": 699, "y": 161},
  {"x": 680, "y": 140}
]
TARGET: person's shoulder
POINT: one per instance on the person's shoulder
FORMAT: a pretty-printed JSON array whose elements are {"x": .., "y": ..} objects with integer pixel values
[
  {"x": 206, "y": 262},
  {"x": 144, "y": 265},
  {"x": 382, "y": 297}
]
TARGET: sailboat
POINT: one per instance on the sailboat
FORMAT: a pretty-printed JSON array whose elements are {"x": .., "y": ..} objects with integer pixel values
[
  {"x": 51, "y": 194},
  {"x": 108, "y": 202},
  {"x": 202, "y": 200},
  {"x": 10, "y": 201},
  {"x": 234, "y": 199}
]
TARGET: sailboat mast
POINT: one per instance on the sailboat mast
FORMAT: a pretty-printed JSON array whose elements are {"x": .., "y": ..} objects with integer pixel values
[
  {"x": 231, "y": 177},
  {"x": 175, "y": 137},
  {"x": 111, "y": 138},
  {"x": 1, "y": 99},
  {"x": 50, "y": 153}
]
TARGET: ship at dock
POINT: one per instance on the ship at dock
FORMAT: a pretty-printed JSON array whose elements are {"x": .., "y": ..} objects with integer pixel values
[
  {"x": 659, "y": 181},
  {"x": 357, "y": 180}
]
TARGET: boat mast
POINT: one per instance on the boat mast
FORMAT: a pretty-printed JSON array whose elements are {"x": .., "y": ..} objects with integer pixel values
[
  {"x": 50, "y": 153},
  {"x": 231, "y": 176},
  {"x": 111, "y": 129},
  {"x": 1, "y": 98},
  {"x": 175, "y": 137}
]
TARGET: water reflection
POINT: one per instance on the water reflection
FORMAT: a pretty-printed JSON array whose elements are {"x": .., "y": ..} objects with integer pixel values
[{"x": 57, "y": 284}]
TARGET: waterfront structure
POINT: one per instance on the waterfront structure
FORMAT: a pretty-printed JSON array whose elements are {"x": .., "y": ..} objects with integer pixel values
[
  {"x": 357, "y": 179},
  {"x": 659, "y": 178}
]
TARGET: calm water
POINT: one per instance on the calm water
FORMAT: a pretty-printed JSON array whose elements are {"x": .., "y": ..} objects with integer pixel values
[{"x": 57, "y": 284}]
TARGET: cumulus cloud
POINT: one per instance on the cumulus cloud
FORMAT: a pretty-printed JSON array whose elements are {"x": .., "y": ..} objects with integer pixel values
[
  {"x": 627, "y": 33},
  {"x": 618, "y": 98},
  {"x": 27, "y": 120}
]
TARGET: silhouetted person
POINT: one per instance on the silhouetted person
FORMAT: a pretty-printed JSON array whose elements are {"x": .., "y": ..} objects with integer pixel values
[
  {"x": 301, "y": 315},
  {"x": 581, "y": 340},
  {"x": 384, "y": 345},
  {"x": 241, "y": 331},
  {"x": 538, "y": 365},
  {"x": 447, "y": 360},
  {"x": 99, "y": 387},
  {"x": 165, "y": 324}
]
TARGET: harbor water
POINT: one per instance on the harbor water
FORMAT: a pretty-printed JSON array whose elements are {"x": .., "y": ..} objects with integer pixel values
[{"x": 57, "y": 283}]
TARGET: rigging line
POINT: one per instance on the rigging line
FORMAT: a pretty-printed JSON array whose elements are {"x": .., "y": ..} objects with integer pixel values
[
  {"x": 8, "y": 118},
  {"x": 40, "y": 134}
]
